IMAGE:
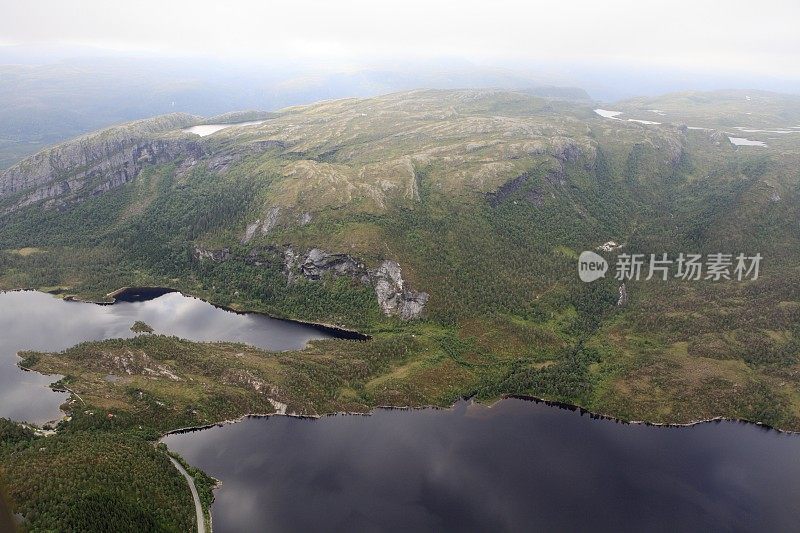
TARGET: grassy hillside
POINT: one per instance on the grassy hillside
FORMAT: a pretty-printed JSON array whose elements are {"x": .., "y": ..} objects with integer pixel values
[
  {"x": 43, "y": 102},
  {"x": 484, "y": 199},
  {"x": 718, "y": 109}
]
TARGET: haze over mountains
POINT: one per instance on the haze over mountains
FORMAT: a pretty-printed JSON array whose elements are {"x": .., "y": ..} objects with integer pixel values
[
  {"x": 594, "y": 204},
  {"x": 49, "y": 94}
]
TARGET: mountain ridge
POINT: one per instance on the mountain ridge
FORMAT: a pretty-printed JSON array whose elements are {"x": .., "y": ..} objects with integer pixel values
[{"x": 483, "y": 199}]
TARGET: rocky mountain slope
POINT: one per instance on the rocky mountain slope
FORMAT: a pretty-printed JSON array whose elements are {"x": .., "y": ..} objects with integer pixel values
[
  {"x": 447, "y": 225},
  {"x": 457, "y": 216},
  {"x": 95, "y": 163}
]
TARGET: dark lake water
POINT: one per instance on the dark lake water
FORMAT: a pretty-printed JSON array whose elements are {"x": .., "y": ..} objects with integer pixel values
[
  {"x": 518, "y": 466},
  {"x": 36, "y": 321}
]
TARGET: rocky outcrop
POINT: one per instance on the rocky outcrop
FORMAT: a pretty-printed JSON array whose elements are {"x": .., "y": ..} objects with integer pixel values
[
  {"x": 218, "y": 256},
  {"x": 569, "y": 151},
  {"x": 250, "y": 231},
  {"x": 133, "y": 363},
  {"x": 623, "y": 296},
  {"x": 274, "y": 217},
  {"x": 394, "y": 298},
  {"x": 290, "y": 259},
  {"x": 96, "y": 163},
  {"x": 318, "y": 262},
  {"x": 100, "y": 174},
  {"x": 265, "y": 226}
]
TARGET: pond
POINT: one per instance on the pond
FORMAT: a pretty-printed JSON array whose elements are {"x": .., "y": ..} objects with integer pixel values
[
  {"x": 32, "y": 320},
  {"x": 518, "y": 466}
]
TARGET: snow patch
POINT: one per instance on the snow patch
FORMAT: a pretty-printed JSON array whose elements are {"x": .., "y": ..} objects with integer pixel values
[
  {"x": 207, "y": 129},
  {"x": 741, "y": 141},
  {"x": 605, "y": 113}
]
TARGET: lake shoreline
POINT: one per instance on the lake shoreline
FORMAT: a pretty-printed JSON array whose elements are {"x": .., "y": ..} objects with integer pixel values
[
  {"x": 348, "y": 334},
  {"x": 258, "y": 330},
  {"x": 526, "y": 398},
  {"x": 338, "y": 332},
  {"x": 432, "y": 450},
  {"x": 551, "y": 403}
]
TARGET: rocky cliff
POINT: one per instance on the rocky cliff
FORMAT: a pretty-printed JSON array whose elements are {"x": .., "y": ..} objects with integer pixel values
[
  {"x": 394, "y": 296},
  {"x": 99, "y": 162}
]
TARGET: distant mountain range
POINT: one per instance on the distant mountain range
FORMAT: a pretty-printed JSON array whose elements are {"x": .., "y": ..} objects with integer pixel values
[{"x": 49, "y": 95}]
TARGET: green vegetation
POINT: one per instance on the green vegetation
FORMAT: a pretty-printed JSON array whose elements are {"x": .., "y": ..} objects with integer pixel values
[
  {"x": 93, "y": 481},
  {"x": 485, "y": 199},
  {"x": 719, "y": 109}
]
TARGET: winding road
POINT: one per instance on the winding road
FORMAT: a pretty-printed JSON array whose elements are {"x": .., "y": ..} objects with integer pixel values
[{"x": 201, "y": 524}]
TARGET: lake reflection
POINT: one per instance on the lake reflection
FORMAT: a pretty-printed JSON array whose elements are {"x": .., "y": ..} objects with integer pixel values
[
  {"x": 37, "y": 321},
  {"x": 518, "y": 466}
]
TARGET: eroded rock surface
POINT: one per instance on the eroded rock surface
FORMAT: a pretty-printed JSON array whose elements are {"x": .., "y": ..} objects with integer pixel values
[
  {"x": 318, "y": 262},
  {"x": 98, "y": 162},
  {"x": 214, "y": 255},
  {"x": 394, "y": 298}
]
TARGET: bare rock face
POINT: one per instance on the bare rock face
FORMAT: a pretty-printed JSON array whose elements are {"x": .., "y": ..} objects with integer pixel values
[
  {"x": 271, "y": 220},
  {"x": 318, "y": 262},
  {"x": 134, "y": 363},
  {"x": 96, "y": 163},
  {"x": 217, "y": 256},
  {"x": 250, "y": 231},
  {"x": 276, "y": 216},
  {"x": 393, "y": 297},
  {"x": 623, "y": 296},
  {"x": 290, "y": 259}
]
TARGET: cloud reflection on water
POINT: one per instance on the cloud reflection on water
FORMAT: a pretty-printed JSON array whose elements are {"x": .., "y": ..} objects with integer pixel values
[{"x": 37, "y": 321}]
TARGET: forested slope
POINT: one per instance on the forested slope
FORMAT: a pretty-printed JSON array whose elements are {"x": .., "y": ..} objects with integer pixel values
[{"x": 447, "y": 224}]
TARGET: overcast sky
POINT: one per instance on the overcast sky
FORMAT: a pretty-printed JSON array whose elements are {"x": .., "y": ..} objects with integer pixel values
[{"x": 757, "y": 37}]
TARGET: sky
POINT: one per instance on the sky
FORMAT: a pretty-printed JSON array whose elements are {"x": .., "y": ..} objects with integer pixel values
[{"x": 756, "y": 38}]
